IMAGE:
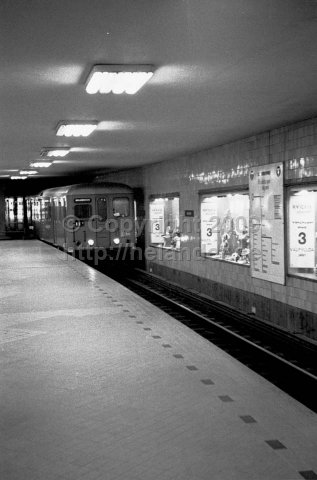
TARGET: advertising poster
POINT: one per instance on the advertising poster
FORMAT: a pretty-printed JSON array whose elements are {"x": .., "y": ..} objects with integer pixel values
[
  {"x": 267, "y": 223},
  {"x": 157, "y": 222},
  {"x": 209, "y": 230},
  {"x": 302, "y": 230}
]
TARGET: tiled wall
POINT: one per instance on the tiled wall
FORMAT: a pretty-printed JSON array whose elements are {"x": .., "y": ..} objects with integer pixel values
[{"x": 293, "y": 306}]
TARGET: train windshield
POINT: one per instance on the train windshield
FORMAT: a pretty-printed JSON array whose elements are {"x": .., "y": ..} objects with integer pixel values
[
  {"x": 121, "y": 207},
  {"x": 82, "y": 210}
]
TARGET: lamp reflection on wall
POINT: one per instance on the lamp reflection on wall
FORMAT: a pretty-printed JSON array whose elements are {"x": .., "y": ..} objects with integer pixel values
[{"x": 118, "y": 78}]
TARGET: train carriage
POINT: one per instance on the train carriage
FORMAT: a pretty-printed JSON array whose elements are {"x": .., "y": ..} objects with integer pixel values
[{"x": 86, "y": 217}]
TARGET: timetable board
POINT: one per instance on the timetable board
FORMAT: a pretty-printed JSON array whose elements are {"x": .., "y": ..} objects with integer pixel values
[{"x": 267, "y": 223}]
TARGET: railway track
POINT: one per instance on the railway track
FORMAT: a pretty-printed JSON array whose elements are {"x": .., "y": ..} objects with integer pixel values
[{"x": 286, "y": 361}]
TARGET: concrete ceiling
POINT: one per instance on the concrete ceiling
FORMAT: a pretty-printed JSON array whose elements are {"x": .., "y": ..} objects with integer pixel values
[{"x": 224, "y": 69}]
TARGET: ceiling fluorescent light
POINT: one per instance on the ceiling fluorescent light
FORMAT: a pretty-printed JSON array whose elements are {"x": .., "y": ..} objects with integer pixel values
[
  {"x": 118, "y": 78},
  {"x": 55, "y": 151},
  {"x": 17, "y": 177},
  {"x": 28, "y": 172},
  {"x": 40, "y": 164},
  {"x": 75, "y": 129}
]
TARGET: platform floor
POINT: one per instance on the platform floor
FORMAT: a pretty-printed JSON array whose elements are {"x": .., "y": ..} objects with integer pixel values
[{"x": 96, "y": 383}]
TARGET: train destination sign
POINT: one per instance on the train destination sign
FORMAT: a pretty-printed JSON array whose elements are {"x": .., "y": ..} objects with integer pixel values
[
  {"x": 82, "y": 200},
  {"x": 267, "y": 223}
]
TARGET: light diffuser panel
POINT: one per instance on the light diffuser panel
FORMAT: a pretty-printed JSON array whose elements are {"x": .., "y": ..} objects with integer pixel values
[
  {"x": 75, "y": 129},
  {"x": 118, "y": 78}
]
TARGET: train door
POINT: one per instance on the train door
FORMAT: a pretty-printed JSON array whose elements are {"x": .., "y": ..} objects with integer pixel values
[
  {"x": 123, "y": 213},
  {"x": 100, "y": 222},
  {"x": 55, "y": 219},
  {"x": 82, "y": 233}
]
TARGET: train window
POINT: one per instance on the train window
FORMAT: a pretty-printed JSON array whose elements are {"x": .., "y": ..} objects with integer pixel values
[
  {"x": 225, "y": 227},
  {"x": 82, "y": 210},
  {"x": 164, "y": 218},
  {"x": 102, "y": 208},
  {"x": 121, "y": 207},
  {"x": 46, "y": 210},
  {"x": 302, "y": 232}
]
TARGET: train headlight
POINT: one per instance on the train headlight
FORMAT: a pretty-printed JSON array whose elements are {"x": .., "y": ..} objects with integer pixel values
[
  {"x": 90, "y": 242},
  {"x": 116, "y": 241}
]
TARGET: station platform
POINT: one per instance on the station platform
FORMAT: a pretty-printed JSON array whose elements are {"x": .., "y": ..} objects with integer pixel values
[{"x": 98, "y": 384}]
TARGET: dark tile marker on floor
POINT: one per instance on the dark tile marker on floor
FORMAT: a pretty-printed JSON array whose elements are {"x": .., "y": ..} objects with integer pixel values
[
  {"x": 147, "y": 328},
  {"x": 166, "y": 345},
  {"x": 225, "y": 398},
  {"x": 247, "y": 419},
  {"x": 178, "y": 355},
  {"x": 156, "y": 336},
  {"x": 207, "y": 381},
  {"x": 191, "y": 367},
  {"x": 275, "y": 444},
  {"x": 308, "y": 474}
]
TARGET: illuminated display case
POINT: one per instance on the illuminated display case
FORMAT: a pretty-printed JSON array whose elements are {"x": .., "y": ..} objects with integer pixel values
[
  {"x": 164, "y": 222},
  {"x": 302, "y": 232},
  {"x": 225, "y": 227}
]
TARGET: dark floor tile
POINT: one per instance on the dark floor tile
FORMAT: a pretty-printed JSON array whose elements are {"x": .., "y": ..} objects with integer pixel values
[
  {"x": 139, "y": 321},
  {"x": 178, "y": 355},
  {"x": 275, "y": 444},
  {"x": 166, "y": 345},
  {"x": 225, "y": 398},
  {"x": 125, "y": 310},
  {"x": 191, "y": 367},
  {"x": 308, "y": 474},
  {"x": 247, "y": 419},
  {"x": 132, "y": 316},
  {"x": 207, "y": 381},
  {"x": 147, "y": 328},
  {"x": 156, "y": 336}
]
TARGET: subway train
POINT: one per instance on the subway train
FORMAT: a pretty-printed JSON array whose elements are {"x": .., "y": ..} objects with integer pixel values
[{"x": 85, "y": 217}]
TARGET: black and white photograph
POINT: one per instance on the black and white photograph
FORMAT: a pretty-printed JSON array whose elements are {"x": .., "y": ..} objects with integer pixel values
[{"x": 158, "y": 239}]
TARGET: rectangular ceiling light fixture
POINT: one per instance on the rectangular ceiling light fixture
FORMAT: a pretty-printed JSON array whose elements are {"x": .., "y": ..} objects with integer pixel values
[
  {"x": 18, "y": 177},
  {"x": 75, "y": 129},
  {"x": 55, "y": 151},
  {"x": 40, "y": 164},
  {"x": 118, "y": 78},
  {"x": 28, "y": 172}
]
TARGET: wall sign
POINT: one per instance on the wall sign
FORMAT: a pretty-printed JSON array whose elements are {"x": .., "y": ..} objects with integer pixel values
[
  {"x": 267, "y": 223},
  {"x": 189, "y": 213}
]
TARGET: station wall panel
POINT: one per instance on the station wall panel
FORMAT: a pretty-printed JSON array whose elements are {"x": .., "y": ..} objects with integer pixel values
[{"x": 292, "y": 306}]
